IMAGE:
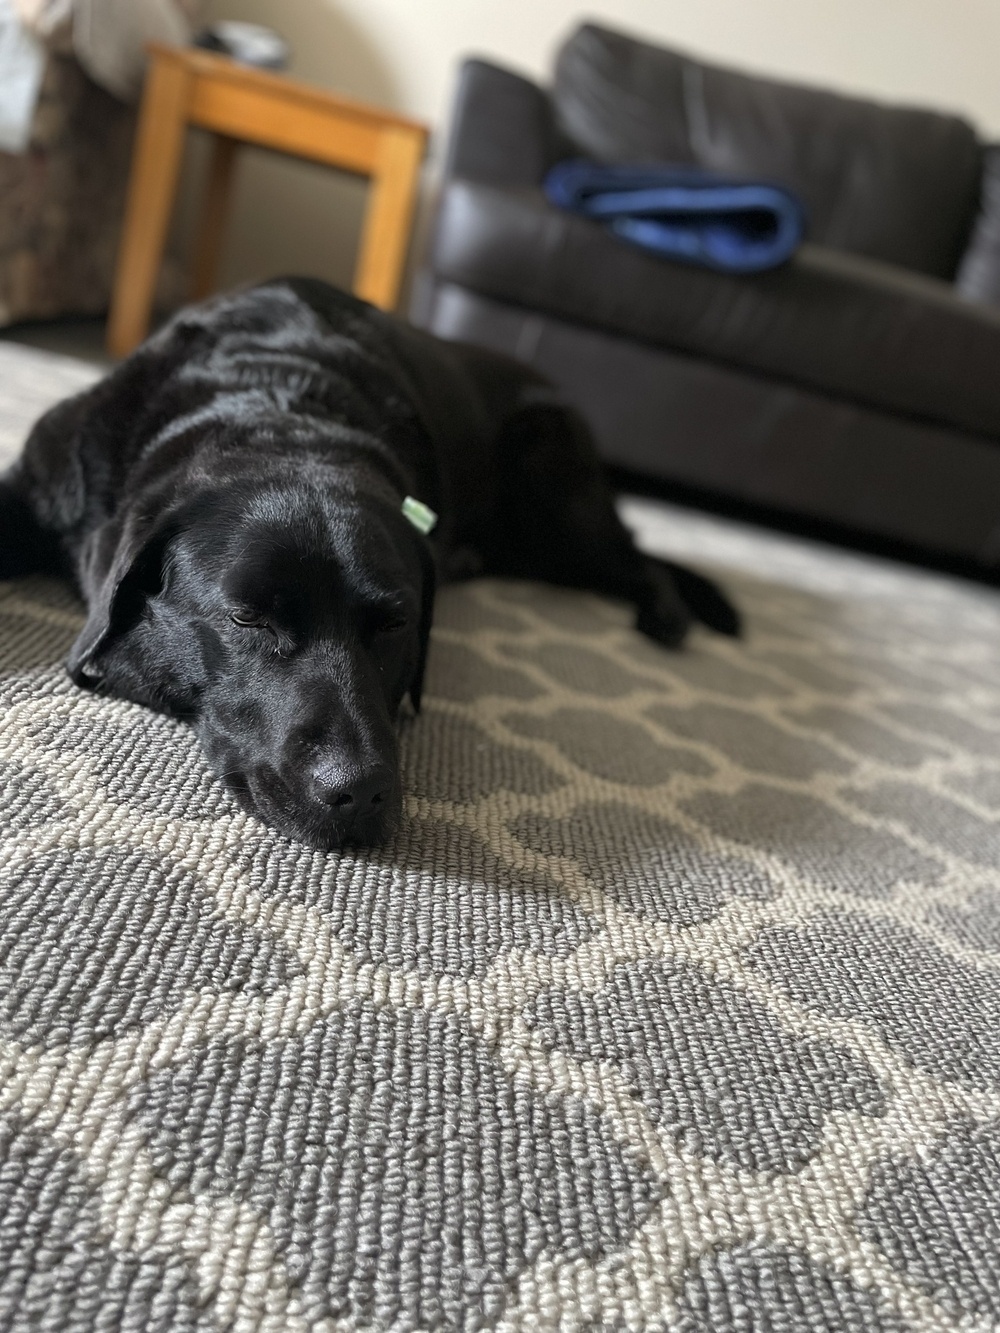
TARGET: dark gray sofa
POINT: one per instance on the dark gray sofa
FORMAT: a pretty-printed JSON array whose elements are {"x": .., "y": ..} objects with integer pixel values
[{"x": 858, "y": 386}]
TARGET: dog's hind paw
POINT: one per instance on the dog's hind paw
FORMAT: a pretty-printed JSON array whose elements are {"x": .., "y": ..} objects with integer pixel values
[
  {"x": 668, "y": 630},
  {"x": 662, "y": 613},
  {"x": 674, "y": 597},
  {"x": 705, "y": 600}
]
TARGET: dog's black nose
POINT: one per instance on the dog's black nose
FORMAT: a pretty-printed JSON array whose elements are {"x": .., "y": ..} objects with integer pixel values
[{"x": 352, "y": 793}]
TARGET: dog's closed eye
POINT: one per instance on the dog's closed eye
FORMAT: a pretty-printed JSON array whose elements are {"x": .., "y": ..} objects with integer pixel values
[
  {"x": 384, "y": 618},
  {"x": 261, "y": 631},
  {"x": 393, "y": 626}
]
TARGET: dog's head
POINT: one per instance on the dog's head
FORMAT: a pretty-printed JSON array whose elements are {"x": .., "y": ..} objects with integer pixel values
[{"x": 288, "y": 623}]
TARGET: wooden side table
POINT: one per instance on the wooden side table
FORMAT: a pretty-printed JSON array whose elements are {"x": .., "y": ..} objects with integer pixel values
[{"x": 192, "y": 87}]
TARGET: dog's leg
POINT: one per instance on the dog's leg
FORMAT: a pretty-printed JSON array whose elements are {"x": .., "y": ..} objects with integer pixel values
[
  {"x": 25, "y": 547},
  {"x": 556, "y": 521}
]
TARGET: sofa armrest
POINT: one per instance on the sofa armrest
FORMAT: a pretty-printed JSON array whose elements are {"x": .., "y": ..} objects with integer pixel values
[
  {"x": 502, "y": 130},
  {"x": 978, "y": 277}
]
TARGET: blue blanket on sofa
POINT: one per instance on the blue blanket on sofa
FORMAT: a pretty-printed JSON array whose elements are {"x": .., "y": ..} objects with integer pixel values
[{"x": 685, "y": 213}]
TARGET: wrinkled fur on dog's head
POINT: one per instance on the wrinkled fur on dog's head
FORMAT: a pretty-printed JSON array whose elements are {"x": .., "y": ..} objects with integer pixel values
[{"x": 288, "y": 623}]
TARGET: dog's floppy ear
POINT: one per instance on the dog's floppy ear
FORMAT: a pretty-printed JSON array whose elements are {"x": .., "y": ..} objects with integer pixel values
[
  {"x": 122, "y": 567},
  {"x": 428, "y": 572}
]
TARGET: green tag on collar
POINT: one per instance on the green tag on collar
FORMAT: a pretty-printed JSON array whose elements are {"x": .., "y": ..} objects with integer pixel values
[{"x": 420, "y": 515}]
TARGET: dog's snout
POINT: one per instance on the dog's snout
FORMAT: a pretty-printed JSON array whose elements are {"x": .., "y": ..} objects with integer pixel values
[{"x": 352, "y": 793}]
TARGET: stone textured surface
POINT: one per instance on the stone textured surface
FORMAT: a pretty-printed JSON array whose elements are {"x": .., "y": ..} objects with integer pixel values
[{"x": 674, "y": 1005}]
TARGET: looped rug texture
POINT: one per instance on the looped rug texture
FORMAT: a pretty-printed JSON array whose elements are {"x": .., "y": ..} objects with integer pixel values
[{"x": 674, "y": 1006}]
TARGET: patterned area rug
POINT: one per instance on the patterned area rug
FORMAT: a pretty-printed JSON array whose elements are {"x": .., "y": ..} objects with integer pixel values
[{"x": 675, "y": 1005}]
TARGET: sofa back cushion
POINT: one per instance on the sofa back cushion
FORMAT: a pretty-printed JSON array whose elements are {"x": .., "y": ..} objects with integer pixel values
[{"x": 892, "y": 183}]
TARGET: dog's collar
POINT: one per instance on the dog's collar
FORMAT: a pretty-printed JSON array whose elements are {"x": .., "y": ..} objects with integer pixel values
[{"x": 420, "y": 515}]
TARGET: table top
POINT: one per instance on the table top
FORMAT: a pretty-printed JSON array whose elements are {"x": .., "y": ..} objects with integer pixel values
[{"x": 207, "y": 65}]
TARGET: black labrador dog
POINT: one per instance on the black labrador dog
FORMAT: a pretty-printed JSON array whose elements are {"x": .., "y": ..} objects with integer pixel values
[{"x": 244, "y": 504}]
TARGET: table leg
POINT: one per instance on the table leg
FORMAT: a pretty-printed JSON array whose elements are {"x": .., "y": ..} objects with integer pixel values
[
  {"x": 386, "y": 231},
  {"x": 152, "y": 185},
  {"x": 214, "y": 213}
]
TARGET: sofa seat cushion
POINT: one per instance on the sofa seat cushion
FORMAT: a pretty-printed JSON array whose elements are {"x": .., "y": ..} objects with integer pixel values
[
  {"x": 851, "y": 328},
  {"x": 893, "y": 183}
]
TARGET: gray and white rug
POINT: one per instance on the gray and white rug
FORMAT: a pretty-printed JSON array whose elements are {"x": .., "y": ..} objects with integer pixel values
[{"x": 675, "y": 1005}]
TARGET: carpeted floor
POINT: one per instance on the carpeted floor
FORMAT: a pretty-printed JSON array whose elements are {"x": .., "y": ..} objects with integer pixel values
[{"x": 675, "y": 1006}]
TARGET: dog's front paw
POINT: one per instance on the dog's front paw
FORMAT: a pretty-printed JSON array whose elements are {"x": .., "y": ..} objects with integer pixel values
[{"x": 23, "y": 545}]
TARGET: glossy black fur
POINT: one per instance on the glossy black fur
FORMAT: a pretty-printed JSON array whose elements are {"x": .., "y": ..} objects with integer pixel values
[{"x": 248, "y": 464}]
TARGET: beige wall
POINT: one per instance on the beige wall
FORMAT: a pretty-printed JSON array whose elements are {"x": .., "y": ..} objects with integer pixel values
[{"x": 403, "y": 53}]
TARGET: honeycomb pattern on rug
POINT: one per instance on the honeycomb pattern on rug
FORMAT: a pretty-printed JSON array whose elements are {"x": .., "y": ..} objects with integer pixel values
[{"x": 674, "y": 1006}]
